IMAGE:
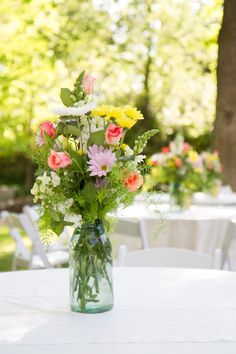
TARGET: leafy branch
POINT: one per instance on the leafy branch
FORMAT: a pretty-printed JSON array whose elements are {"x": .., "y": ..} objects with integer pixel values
[{"x": 142, "y": 140}]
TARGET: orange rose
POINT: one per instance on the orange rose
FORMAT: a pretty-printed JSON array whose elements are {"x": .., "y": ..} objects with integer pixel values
[
  {"x": 133, "y": 181},
  {"x": 178, "y": 162}
]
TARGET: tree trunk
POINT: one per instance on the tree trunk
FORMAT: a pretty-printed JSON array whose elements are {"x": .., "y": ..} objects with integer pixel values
[{"x": 225, "y": 124}]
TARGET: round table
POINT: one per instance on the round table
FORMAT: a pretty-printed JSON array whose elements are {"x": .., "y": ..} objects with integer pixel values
[
  {"x": 156, "y": 310},
  {"x": 201, "y": 228}
]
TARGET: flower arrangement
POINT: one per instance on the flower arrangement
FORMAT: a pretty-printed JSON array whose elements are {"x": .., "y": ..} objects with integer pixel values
[
  {"x": 180, "y": 167},
  {"x": 85, "y": 170},
  {"x": 212, "y": 175}
]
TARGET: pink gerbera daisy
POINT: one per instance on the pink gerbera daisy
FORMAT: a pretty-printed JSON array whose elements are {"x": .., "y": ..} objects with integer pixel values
[{"x": 101, "y": 160}]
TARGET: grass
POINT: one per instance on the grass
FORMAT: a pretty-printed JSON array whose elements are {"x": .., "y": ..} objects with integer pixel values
[{"x": 7, "y": 248}]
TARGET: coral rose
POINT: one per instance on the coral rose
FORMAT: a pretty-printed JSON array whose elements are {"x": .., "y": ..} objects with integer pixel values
[
  {"x": 133, "y": 181},
  {"x": 58, "y": 160},
  {"x": 154, "y": 163},
  {"x": 165, "y": 149},
  {"x": 178, "y": 162},
  {"x": 88, "y": 84},
  {"x": 113, "y": 134}
]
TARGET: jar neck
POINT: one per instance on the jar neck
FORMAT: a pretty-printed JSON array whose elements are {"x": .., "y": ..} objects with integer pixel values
[
  {"x": 96, "y": 228},
  {"x": 90, "y": 226}
]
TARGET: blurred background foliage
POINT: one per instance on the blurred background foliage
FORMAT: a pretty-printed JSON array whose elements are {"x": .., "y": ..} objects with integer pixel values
[{"x": 158, "y": 55}]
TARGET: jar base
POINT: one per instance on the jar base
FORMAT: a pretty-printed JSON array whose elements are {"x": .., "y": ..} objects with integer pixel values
[{"x": 92, "y": 310}]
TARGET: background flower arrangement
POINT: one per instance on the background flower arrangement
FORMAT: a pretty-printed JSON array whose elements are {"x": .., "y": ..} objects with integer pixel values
[
  {"x": 213, "y": 175},
  {"x": 184, "y": 171},
  {"x": 85, "y": 170}
]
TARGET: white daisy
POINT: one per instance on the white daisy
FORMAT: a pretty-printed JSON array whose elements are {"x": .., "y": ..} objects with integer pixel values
[{"x": 73, "y": 111}]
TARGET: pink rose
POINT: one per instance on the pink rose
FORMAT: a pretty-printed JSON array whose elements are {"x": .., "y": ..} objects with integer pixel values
[
  {"x": 88, "y": 84},
  {"x": 113, "y": 134},
  {"x": 133, "y": 181},
  {"x": 58, "y": 159},
  {"x": 49, "y": 128},
  {"x": 186, "y": 147}
]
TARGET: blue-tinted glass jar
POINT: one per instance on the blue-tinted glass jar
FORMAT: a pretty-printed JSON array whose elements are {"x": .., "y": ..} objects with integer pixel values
[{"x": 91, "y": 289}]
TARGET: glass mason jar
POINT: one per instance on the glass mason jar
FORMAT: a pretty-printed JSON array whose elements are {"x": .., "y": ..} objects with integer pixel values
[
  {"x": 179, "y": 199},
  {"x": 91, "y": 289}
]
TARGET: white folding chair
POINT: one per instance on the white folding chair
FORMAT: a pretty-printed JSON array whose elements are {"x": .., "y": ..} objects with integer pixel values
[
  {"x": 134, "y": 228},
  {"x": 22, "y": 255},
  {"x": 230, "y": 238},
  {"x": 39, "y": 258},
  {"x": 168, "y": 257},
  {"x": 63, "y": 240}
]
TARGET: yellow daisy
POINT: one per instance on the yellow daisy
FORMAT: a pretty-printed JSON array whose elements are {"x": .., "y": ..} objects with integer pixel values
[
  {"x": 193, "y": 156},
  {"x": 125, "y": 122},
  {"x": 101, "y": 111},
  {"x": 115, "y": 113},
  {"x": 133, "y": 113}
]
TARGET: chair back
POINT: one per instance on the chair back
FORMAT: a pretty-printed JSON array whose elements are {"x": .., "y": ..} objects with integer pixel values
[
  {"x": 135, "y": 228},
  {"x": 14, "y": 225},
  {"x": 229, "y": 238},
  {"x": 31, "y": 229},
  {"x": 168, "y": 257}
]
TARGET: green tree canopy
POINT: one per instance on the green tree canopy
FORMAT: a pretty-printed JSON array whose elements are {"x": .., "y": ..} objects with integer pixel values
[{"x": 160, "y": 56}]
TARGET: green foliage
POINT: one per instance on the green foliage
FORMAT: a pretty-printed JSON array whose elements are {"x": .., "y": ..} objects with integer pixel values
[
  {"x": 97, "y": 138},
  {"x": 142, "y": 140},
  {"x": 78, "y": 90}
]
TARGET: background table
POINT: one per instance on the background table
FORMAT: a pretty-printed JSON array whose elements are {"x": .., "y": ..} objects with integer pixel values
[
  {"x": 225, "y": 197},
  {"x": 166, "y": 309},
  {"x": 201, "y": 228}
]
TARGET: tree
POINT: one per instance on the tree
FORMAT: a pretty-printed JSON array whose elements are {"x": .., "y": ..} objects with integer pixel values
[
  {"x": 158, "y": 55},
  {"x": 225, "y": 124}
]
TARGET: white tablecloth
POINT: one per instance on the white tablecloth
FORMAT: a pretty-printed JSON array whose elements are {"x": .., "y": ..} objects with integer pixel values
[
  {"x": 154, "y": 308},
  {"x": 199, "y": 198},
  {"x": 220, "y": 199},
  {"x": 201, "y": 228}
]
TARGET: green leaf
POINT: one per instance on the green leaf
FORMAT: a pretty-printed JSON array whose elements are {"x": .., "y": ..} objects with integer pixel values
[
  {"x": 70, "y": 129},
  {"x": 142, "y": 140},
  {"x": 49, "y": 140},
  {"x": 66, "y": 97},
  {"x": 58, "y": 227},
  {"x": 60, "y": 127},
  {"x": 97, "y": 138}
]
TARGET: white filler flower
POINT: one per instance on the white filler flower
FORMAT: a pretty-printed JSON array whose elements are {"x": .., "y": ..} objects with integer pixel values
[
  {"x": 55, "y": 179},
  {"x": 73, "y": 111}
]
